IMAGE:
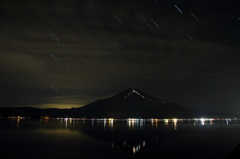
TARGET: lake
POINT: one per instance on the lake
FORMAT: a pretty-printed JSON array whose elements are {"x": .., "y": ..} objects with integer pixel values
[{"x": 65, "y": 138}]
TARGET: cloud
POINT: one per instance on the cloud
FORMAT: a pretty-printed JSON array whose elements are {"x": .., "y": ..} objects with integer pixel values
[{"x": 54, "y": 51}]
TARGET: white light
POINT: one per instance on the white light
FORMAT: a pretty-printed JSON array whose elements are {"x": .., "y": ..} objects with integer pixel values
[
  {"x": 175, "y": 120},
  {"x": 202, "y": 120},
  {"x": 134, "y": 149}
]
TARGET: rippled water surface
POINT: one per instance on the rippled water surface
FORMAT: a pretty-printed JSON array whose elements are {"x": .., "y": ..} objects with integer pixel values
[{"x": 118, "y": 138}]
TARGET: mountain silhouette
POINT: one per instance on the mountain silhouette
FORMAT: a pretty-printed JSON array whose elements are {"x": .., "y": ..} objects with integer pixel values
[
  {"x": 130, "y": 103},
  {"x": 136, "y": 104}
]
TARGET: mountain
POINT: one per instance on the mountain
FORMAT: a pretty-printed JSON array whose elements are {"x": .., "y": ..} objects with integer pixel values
[
  {"x": 34, "y": 112},
  {"x": 131, "y": 103},
  {"x": 135, "y": 104}
]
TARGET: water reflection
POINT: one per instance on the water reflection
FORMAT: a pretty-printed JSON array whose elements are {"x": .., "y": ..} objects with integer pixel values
[
  {"x": 18, "y": 120},
  {"x": 135, "y": 123},
  {"x": 110, "y": 122},
  {"x": 57, "y": 131},
  {"x": 134, "y": 135},
  {"x": 130, "y": 135},
  {"x": 175, "y": 123},
  {"x": 133, "y": 139},
  {"x": 166, "y": 122},
  {"x": 228, "y": 120}
]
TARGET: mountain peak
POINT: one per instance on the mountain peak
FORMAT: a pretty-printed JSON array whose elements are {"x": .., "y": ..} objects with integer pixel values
[
  {"x": 133, "y": 93},
  {"x": 134, "y": 103},
  {"x": 132, "y": 90}
]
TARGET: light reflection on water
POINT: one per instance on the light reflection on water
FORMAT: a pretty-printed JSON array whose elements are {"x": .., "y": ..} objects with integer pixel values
[{"x": 124, "y": 137}]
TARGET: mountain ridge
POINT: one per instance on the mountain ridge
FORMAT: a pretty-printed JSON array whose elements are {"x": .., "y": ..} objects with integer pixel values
[
  {"x": 130, "y": 103},
  {"x": 133, "y": 102}
]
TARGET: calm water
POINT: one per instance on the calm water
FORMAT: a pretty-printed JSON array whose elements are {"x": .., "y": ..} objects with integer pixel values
[{"x": 47, "y": 139}]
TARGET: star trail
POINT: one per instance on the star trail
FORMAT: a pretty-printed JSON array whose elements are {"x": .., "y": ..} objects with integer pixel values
[{"x": 68, "y": 53}]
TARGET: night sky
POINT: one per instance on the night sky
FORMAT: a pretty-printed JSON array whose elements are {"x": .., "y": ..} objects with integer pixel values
[{"x": 68, "y": 53}]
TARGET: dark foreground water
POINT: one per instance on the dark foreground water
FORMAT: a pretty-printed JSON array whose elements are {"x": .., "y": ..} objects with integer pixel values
[{"x": 69, "y": 139}]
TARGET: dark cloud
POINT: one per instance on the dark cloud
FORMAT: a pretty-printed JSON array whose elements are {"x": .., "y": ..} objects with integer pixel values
[{"x": 69, "y": 53}]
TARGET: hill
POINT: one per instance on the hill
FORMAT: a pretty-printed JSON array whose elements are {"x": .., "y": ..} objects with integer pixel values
[
  {"x": 136, "y": 104},
  {"x": 130, "y": 103}
]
